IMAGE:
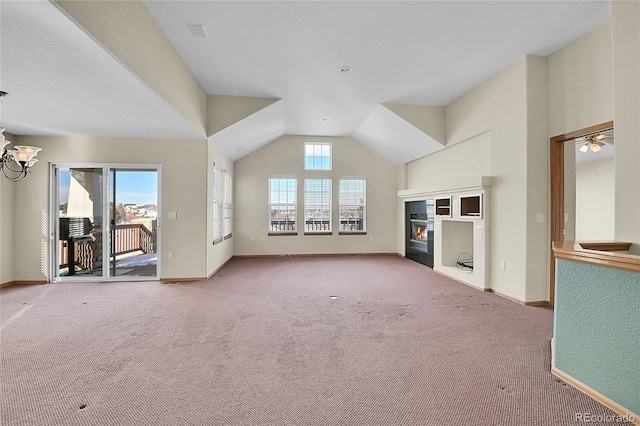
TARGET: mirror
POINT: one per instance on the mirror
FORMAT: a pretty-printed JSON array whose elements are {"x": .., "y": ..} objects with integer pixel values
[{"x": 589, "y": 182}]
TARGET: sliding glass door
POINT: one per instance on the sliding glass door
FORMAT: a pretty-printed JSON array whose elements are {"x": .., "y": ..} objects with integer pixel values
[
  {"x": 105, "y": 222},
  {"x": 133, "y": 222}
]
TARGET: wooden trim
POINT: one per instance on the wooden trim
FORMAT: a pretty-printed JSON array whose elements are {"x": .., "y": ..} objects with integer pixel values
[
  {"x": 24, "y": 282},
  {"x": 570, "y": 250},
  {"x": 556, "y": 191},
  {"x": 281, "y": 234},
  {"x": 538, "y": 303},
  {"x": 443, "y": 273},
  {"x": 220, "y": 267},
  {"x": 352, "y": 233},
  {"x": 607, "y": 402},
  {"x": 605, "y": 245},
  {"x": 250, "y": 256},
  {"x": 180, "y": 280},
  {"x": 504, "y": 296},
  {"x": 598, "y": 128},
  {"x": 533, "y": 303}
]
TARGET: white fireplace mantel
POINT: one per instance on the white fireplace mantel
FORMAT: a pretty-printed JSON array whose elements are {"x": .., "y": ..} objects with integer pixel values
[
  {"x": 465, "y": 185},
  {"x": 458, "y": 231}
]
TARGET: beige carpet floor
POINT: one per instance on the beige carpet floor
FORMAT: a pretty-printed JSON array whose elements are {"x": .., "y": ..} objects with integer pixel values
[{"x": 354, "y": 340}]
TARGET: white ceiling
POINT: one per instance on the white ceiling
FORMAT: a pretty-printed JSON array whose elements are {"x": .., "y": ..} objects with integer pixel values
[
  {"x": 61, "y": 82},
  {"x": 403, "y": 52}
]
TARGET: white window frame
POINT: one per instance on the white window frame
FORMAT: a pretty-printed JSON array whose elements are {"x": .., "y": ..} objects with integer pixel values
[
  {"x": 347, "y": 199},
  {"x": 319, "y": 152},
  {"x": 217, "y": 193},
  {"x": 283, "y": 200},
  {"x": 228, "y": 205},
  {"x": 324, "y": 204}
]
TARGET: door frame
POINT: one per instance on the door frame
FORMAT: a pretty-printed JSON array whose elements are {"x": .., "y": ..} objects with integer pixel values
[
  {"x": 556, "y": 188},
  {"x": 106, "y": 241}
]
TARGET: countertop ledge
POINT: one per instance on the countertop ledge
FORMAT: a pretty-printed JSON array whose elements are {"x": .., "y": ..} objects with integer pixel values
[{"x": 603, "y": 253}]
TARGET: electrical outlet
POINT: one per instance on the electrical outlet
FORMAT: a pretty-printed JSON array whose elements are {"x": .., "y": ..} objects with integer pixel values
[
  {"x": 503, "y": 265},
  {"x": 170, "y": 255},
  {"x": 540, "y": 218},
  {"x": 251, "y": 240}
]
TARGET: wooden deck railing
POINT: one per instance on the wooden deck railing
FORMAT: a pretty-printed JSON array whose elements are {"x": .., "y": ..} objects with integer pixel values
[{"x": 126, "y": 238}]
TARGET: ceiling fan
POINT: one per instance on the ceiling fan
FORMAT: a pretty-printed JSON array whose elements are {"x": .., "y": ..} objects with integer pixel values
[{"x": 592, "y": 142}]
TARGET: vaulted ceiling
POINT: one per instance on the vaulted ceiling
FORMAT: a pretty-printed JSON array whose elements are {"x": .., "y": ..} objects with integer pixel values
[{"x": 62, "y": 81}]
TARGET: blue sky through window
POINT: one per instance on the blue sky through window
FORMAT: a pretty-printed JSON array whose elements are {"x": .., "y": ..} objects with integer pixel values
[{"x": 133, "y": 187}]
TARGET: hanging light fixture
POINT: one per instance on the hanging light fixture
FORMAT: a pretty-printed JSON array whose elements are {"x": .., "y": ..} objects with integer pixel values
[
  {"x": 21, "y": 155},
  {"x": 592, "y": 143}
]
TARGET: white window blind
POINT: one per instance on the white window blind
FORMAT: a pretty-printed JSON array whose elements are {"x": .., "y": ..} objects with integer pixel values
[
  {"x": 317, "y": 205},
  {"x": 353, "y": 204},
  {"x": 228, "y": 203},
  {"x": 282, "y": 205},
  {"x": 217, "y": 203}
]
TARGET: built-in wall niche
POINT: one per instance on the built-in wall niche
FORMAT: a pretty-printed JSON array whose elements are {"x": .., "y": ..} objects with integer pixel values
[
  {"x": 471, "y": 206},
  {"x": 443, "y": 206},
  {"x": 457, "y": 247},
  {"x": 461, "y": 233}
]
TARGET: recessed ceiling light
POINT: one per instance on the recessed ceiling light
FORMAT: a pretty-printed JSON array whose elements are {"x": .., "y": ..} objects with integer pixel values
[
  {"x": 325, "y": 120},
  {"x": 345, "y": 69}
]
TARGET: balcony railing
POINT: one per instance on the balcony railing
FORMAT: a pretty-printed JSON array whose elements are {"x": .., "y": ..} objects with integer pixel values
[
  {"x": 350, "y": 224},
  {"x": 125, "y": 239}
]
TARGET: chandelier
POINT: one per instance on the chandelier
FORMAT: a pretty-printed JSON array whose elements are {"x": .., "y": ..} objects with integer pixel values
[{"x": 16, "y": 163}]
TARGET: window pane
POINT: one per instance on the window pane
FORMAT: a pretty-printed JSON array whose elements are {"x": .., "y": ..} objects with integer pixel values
[
  {"x": 317, "y": 204},
  {"x": 317, "y": 156},
  {"x": 352, "y": 205},
  {"x": 282, "y": 205}
]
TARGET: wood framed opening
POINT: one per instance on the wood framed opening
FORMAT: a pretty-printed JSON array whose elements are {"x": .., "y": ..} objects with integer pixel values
[{"x": 556, "y": 182}]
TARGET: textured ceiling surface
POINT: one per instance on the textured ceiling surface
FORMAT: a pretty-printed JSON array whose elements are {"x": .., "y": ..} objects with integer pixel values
[{"x": 61, "y": 81}]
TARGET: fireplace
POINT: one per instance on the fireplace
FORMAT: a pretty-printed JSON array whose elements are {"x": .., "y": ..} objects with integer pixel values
[{"x": 419, "y": 237}]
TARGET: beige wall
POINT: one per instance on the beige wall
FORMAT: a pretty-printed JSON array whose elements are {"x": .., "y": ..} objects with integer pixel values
[
  {"x": 595, "y": 200},
  {"x": 499, "y": 129},
  {"x": 223, "y": 110},
  {"x": 7, "y": 190},
  {"x": 183, "y": 190},
  {"x": 471, "y": 158},
  {"x": 581, "y": 83},
  {"x": 129, "y": 32},
  {"x": 625, "y": 17},
  {"x": 499, "y": 106},
  {"x": 284, "y": 158},
  {"x": 537, "y": 166}
]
